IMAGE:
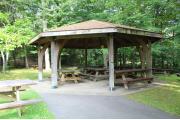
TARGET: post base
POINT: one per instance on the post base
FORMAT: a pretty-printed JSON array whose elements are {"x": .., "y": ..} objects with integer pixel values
[
  {"x": 54, "y": 87},
  {"x": 112, "y": 89},
  {"x": 40, "y": 80}
]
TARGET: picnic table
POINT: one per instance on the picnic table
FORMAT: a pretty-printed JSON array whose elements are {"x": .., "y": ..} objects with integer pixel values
[
  {"x": 95, "y": 73},
  {"x": 13, "y": 92},
  {"x": 124, "y": 76},
  {"x": 70, "y": 75}
]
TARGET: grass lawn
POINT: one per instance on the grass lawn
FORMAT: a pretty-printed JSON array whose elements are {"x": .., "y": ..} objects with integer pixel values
[
  {"x": 37, "y": 111},
  {"x": 31, "y": 74},
  {"x": 165, "y": 98}
]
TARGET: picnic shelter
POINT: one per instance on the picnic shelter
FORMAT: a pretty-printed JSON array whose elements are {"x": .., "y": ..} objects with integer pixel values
[{"x": 94, "y": 34}]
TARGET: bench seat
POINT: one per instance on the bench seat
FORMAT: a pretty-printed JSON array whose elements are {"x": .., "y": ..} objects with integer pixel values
[
  {"x": 140, "y": 79},
  {"x": 94, "y": 77},
  {"x": 135, "y": 80},
  {"x": 8, "y": 92},
  {"x": 18, "y": 104}
]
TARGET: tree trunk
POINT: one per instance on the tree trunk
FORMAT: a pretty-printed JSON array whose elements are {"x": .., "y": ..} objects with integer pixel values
[
  {"x": 4, "y": 62},
  {"x": 47, "y": 62},
  {"x": 26, "y": 62},
  {"x": 26, "y": 58},
  {"x": 44, "y": 28},
  {"x": 5, "y": 58}
]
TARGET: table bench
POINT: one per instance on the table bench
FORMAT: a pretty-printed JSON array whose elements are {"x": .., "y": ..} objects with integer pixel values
[
  {"x": 70, "y": 75},
  {"x": 124, "y": 80},
  {"x": 14, "y": 94},
  {"x": 18, "y": 104},
  {"x": 95, "y": 73}
]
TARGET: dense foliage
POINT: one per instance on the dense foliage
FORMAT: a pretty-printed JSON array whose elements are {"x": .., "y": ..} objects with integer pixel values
[{"x": 20, "y": 20}]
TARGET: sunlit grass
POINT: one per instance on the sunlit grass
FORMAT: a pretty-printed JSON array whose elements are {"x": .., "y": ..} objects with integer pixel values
[
  {"x": 13, "y": 74},
  {"x": 169, "y": 78},
  {"x": 36, "y": 111},
  {"x": 165, "y": 98}
]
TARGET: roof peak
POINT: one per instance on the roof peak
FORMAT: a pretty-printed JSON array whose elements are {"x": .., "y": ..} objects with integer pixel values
[{"x": 90, "y": 24}]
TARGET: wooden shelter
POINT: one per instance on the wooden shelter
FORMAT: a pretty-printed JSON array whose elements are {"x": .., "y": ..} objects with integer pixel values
[{"x": 94, "y": 34}]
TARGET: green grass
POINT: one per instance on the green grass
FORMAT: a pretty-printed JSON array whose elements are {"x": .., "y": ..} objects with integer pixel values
[
  {"x": 36, "y": 111},
  {"x": 169, "y": 78},
  {"x": 22, "y": 74},
  {"x": 165, "y": 98}
]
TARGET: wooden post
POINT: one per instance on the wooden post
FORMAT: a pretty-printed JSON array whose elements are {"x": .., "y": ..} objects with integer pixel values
[
  {"x": 54, "y": 64},
  {"x": 146, "y": 56},
  {"x": 111, "y": 61},
  {"x": 96, "y": 75},
  {"x": 149, "y": 59},
  {"x": 56, "y": 49},
  {"x": 18, "y": 99},
  {"x": 125, "y": 81},
  {"x": 142, "y": 56},
  {"x": 47, "y": 62},
  {"x": 41, "y": 52},
  {"x": 40, "y": 65}
]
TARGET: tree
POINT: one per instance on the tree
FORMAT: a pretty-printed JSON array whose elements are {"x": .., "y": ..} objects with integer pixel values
[{"x": 8, "y": 41}]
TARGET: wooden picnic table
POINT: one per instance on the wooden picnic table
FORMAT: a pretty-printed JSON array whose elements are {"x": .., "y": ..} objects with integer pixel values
[
  {"x": 70, "y": 75},
  {"x": 96, "y": 73},
  {"x": 125, "y": 80},
  {"x": 14, "y": 92},
  {"x": 96, "y": 69}
]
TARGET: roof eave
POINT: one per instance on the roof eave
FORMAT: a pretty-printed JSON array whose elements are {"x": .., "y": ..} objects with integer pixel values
[
  {"x": 139, "y": 32},
  {"x": 32, "y": 41},
  {"x": 96, "y": 31}
]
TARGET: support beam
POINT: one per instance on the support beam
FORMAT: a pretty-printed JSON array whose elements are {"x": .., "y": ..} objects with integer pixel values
[
  {"x": 146, "y": 56},
  {"x": 47, "y": 62},
  {"x": 111, "y": 61},
  {"x": 142, "y": 56},
  {"x": 149, "y": 60},
  {"x": 54, "y": 64},
  {"x": 56, "y": 49},
  {"x": 41, "y": 52}
]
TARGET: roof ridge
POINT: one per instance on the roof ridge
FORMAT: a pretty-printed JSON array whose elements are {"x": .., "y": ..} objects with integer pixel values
[
  {"x": 101, "y": 24},
  {"x": 92, "y": 24}
]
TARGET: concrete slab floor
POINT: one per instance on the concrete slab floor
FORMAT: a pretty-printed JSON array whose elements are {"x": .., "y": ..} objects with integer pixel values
[{"x": 90, "y": 88}]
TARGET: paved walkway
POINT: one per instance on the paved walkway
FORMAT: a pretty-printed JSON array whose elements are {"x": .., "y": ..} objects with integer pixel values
[
  {"x": 96, "y": 106},
  {"x": 94, "y": 100}
]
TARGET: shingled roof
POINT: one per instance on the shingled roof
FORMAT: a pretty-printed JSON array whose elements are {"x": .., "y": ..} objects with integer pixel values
[
  {"x": 91, "y": 24},
  {"x": 93, "y": 27}
]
